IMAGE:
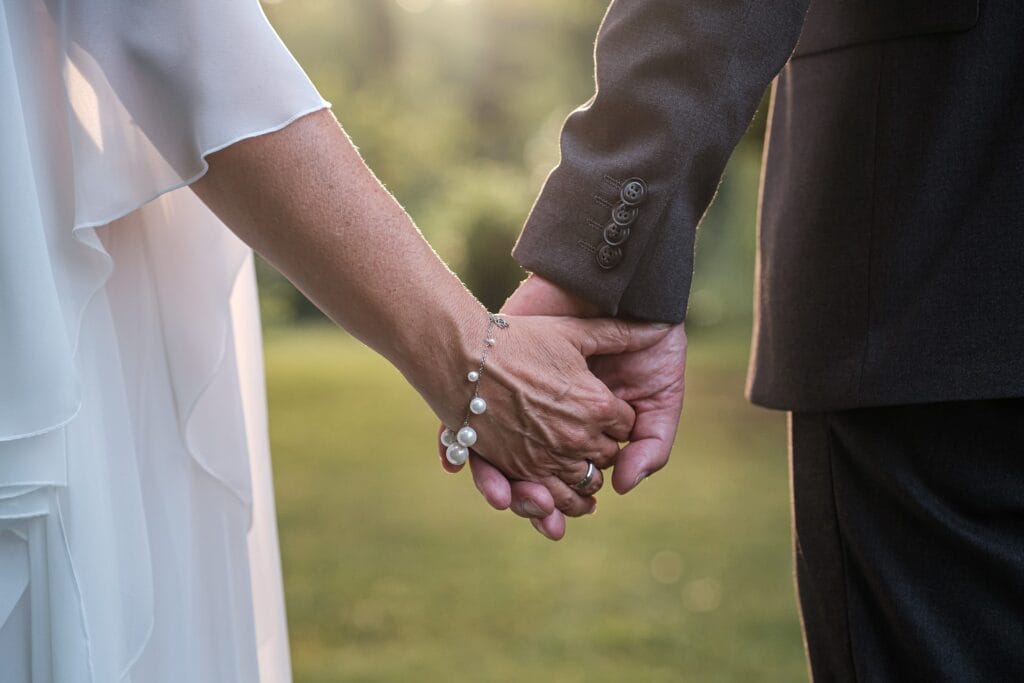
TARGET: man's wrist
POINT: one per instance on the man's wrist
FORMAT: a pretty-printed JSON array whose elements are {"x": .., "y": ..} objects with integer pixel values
[{"x": 540, "y": 296}]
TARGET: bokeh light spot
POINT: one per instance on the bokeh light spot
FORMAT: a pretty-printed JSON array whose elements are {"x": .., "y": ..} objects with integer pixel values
[
  {"x": 666, "y": 567},
  {"x": 702, "y": 595}
]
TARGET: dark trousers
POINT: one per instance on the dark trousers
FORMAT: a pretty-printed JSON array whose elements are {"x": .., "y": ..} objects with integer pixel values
[{"x": 909, "y": 541}]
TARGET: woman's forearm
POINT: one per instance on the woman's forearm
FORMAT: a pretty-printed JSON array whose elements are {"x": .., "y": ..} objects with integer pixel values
[{"x": 303, "y": 198}]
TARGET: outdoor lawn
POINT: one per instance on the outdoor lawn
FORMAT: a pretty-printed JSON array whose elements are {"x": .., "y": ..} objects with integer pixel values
[{"x": 396, "y": 571}]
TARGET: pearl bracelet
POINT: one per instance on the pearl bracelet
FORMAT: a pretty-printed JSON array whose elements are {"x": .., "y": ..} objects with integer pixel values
[{"x": 459, "y": 443}]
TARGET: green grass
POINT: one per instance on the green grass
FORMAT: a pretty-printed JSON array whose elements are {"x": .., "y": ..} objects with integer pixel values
[{"x": 395, "y": 571}]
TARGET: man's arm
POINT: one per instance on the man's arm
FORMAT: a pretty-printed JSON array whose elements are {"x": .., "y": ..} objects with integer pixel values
[{"x": 677, "y": 85}]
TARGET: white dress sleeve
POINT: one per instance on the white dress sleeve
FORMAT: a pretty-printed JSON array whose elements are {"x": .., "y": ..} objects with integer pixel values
[
  {"x": 132, "y": 425},
  {"x": 107, "y": 105},
  {"x": 153, "y": 86}
]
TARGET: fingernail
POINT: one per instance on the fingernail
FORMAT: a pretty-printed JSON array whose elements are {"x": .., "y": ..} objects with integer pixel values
[
  {"x": 531, "y": 509},
  {"x": 639, "y": 478},
  {"x": 662, "y": 326},
  {"x": 593, "y": 510}
]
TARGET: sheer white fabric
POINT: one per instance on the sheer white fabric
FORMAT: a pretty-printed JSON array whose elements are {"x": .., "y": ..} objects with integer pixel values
[{"x": 137, "y": 533}]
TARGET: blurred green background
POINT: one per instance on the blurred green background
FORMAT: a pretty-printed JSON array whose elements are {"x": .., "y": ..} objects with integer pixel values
[{"x": 397, "y": 572}]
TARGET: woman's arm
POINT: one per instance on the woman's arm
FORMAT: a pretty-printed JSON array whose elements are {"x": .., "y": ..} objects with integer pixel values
[{"x": 303, "y": 198}]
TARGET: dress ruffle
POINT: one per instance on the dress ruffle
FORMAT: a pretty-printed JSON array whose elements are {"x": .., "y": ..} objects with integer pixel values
[{"x": 137, "y": 530}]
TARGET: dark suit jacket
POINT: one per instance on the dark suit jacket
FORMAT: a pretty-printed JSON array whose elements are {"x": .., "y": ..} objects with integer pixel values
[{"x": 891, "y": 237}]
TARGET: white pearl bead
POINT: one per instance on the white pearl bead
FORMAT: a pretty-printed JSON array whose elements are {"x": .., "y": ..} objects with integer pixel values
[
  {"x": 466, "y": 436},
  {"x": 456, "y": 454},
  {"x": 477, "y": 406},
  {"x": 489, "y": 341},
  {"x": 473, "y": 376},
  {"x": 447, "y": 437}
]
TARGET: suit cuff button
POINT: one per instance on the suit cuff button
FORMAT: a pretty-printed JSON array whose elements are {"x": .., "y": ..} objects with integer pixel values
[
  {"x": 633, "y": 191},
  {"x": 615, "y": 234},
  {"x": 608, "y": 256},
  {"x": 624, "y": 215}
]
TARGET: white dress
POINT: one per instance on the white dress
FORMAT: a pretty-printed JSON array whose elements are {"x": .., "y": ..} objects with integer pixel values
[{"x": 137, "y": 532}]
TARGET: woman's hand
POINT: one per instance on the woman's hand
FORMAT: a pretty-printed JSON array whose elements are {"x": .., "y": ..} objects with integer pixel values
[{"x": 547, "y": 414}]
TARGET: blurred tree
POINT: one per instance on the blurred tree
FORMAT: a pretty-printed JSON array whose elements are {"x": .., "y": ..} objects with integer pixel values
[
  {"x": 457, "y": 107},
  {"x": 483, "y": 207}
]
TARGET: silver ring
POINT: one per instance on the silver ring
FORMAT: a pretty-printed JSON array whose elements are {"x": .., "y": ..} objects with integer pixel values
[{"x": 587, "y": 479}]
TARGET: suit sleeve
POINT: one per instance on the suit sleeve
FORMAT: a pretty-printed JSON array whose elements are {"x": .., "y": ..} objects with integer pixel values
[{"x": 678, "y": 82}]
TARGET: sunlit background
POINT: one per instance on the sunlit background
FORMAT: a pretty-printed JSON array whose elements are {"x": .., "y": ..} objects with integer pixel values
[{"x": 395, "y": 571}]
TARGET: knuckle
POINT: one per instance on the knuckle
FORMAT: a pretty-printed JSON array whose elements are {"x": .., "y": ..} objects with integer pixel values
[
  {"x": 624, "y": 333},
  {"x": 568, "y": 503},
  {"x": 605, "y": 404},
  {"x": 519, "y": 508},
  {"x": 576, "y": 441},
  {"x": 583, "y": 442},
  {"x": 615, "y": 333},
  {"x": 564, "y": 502},
  {"x": 578, "y": 510}
]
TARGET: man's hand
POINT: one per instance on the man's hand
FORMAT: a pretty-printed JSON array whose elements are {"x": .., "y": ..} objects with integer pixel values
[{"x": 652, "y": 381}]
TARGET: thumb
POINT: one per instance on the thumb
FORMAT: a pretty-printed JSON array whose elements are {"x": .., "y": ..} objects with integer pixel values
[{"x": 607, "y": 337}]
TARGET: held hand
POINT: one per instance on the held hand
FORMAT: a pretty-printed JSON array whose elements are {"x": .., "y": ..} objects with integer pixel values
[
  {"x": 547, "y": 414},
  {"x": 652, "y": 380}
]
